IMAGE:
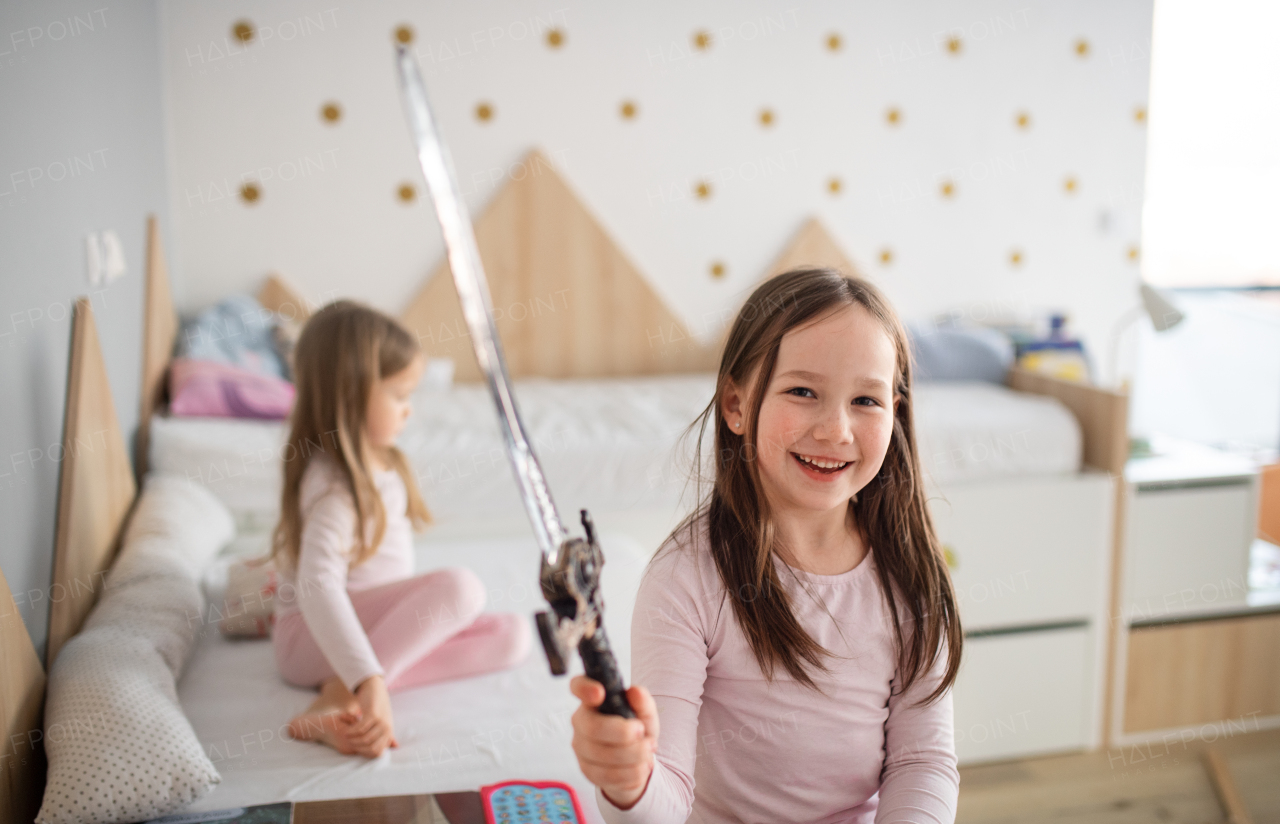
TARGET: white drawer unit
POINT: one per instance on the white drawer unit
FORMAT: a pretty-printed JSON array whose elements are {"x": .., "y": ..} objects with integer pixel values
[
  {"x": 1027, "y": 693},
  {"x": 1187, "y": 547},
  {"x": 1028, "y": 551}
]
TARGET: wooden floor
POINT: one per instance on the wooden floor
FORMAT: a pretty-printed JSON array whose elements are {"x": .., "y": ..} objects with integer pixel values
[{"x": 1125, "y": 786}]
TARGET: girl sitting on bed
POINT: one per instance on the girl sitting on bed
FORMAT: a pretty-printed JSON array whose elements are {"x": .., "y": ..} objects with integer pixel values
[
  {"x": 351, "y": 617},
  {"x": 797, "y": 634}
]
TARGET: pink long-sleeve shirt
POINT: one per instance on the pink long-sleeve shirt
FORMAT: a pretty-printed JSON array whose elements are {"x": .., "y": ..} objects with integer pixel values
[
  {"x": 318, "y": 587},
  {"x": 761, "y": 752}
]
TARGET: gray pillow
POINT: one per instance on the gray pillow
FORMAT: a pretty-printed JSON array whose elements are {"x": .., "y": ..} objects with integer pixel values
[
  {"x": 954, "y": 353},
  {"x": 118, "y": 744}
]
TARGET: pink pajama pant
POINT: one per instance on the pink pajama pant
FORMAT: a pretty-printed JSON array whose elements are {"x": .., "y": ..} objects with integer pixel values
[{"x": 423, "y": 629}]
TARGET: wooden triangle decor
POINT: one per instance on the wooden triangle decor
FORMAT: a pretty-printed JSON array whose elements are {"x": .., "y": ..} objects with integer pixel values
[
  {"x": 21, "y": 705},
  {"x": 812, "y": 246},
  {"x": 95, "y": 486},
  {"x": 159, "y": 332},
  {"x": 567, "y": 302}
]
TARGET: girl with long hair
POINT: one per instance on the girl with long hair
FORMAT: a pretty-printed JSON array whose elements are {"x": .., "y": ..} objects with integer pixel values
[
  {"x": 351, "y": 617},
  {"x": 797, "y": 634}
]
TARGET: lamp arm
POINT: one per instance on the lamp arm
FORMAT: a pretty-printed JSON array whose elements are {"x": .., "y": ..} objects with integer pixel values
[{"x": 1121, "y": 326}]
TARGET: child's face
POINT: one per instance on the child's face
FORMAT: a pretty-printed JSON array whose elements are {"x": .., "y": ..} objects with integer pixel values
[
  {"x": 390, "y": 404},
  {"x": 830, "y": 399}
]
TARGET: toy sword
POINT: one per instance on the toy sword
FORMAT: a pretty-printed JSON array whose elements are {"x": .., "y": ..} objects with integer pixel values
[{"x": 570, "y": 574}]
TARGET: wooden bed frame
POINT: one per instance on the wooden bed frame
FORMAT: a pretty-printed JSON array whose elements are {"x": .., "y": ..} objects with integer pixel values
[{"x": 559, "y": 249}]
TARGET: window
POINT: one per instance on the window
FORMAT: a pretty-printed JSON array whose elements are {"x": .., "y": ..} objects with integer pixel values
[{"x": 1211, "y": 212}]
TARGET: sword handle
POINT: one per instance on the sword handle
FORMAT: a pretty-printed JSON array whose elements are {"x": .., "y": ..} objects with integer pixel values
[{"x": 598, "y": 663}]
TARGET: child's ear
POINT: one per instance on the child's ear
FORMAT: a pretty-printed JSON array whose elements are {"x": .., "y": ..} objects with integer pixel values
[{"x": 731, "y": 406}]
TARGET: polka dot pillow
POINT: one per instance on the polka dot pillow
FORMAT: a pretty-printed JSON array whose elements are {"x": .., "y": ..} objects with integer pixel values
[{"x": 119, "y": 747}]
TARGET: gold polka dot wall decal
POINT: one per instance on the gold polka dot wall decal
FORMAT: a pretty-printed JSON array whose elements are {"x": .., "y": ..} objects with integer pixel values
[
  {"x": 886, "y": 256},
  {"x": 834, "y": 185},
  {"x": 484, "y": 112},
  {"x": 627, "y": 110},
  {"x": 947, "y": 188},
  {"x": 1140, "y": 115},
  {"x": 331, "y": 112},
  {"x": 954, "y": 44},
  {"x": 1133, "y": 254},
  {"x": 833, "y": 42},
  {"x": 1015, "y": 257},
  {"x": 1082, "y": 48},
  {"x": 1023, "y": 120},
  {"x": 406, "y": 193},
  {"x": 1070, "y": 185},
  {"x": 403, "y": 34},
  {"x": 766, "y": 117},
  {"x": 242, "y": 31},
  {"x": 249, "y": 192},
  {"x": 702, "y": 189},
  {"x": 893, "y": 116},
  {"x": 555, "y": 38},
  {"x": 702, "y": 40},
  {"x": 718, "y": 269}
]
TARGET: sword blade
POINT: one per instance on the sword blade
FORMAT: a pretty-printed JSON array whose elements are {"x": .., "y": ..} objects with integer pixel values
[{"x": 477, "y": 307}]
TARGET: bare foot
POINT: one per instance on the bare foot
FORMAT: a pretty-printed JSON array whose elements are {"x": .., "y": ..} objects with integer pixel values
[{"x": 329, "y": 718}]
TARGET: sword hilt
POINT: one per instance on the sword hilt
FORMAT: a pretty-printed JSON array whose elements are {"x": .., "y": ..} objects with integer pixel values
[
  {"x": 599, "y": 663},
  {"x": 572, "y": 587}
]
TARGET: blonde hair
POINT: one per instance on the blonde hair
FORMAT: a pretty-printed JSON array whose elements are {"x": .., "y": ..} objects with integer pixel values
[{"x": 343, "y": 349}]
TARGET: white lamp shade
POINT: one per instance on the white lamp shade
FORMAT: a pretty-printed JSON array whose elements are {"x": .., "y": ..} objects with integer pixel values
[{"x": 1164, "y": 315}]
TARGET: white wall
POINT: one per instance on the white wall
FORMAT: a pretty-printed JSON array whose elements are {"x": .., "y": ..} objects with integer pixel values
[
  {"x": 338, "y": 228},
  {"x": 81, "y": 150}
]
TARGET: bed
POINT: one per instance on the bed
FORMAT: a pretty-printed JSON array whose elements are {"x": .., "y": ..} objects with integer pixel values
[{"x": 606, "y": 431}]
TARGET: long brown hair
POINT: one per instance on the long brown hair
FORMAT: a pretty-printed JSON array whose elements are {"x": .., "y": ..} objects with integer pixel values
[
  {"x": 890, "y": 510},
  {"x": 342, "y": 350}
]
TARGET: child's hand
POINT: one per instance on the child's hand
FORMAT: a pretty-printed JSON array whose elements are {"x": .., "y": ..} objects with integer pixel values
[
  {"x": 615, "y": 753},
  {"x": 373, "y": 732}
]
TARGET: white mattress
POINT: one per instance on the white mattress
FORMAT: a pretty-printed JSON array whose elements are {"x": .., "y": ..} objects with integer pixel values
[
  {"x": 971, "y": 431},
  {"x": 607, "y": 445},
  {"x": 453, "y": 736}
]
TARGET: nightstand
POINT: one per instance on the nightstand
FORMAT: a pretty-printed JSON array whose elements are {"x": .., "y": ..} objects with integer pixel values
[
  {"x": 1193, "y": 653},
  {"x": 1192, "y": 518}
]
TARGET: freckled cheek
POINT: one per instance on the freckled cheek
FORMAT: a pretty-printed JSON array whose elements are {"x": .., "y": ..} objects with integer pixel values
[
  {"x": 873, "y": 439},
  {"x": 778, "y": 429}
]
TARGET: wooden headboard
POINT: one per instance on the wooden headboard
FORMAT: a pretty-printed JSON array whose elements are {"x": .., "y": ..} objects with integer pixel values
[
  {"x": 95, "y": 488},
  {"x": 567, "y": 302},
  {"x": 159, "y": 331},
  {"x": 22, "y": 765}
]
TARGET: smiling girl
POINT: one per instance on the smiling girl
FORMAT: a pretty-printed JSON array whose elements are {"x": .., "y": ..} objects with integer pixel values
[{"x": 796, "y": 637}]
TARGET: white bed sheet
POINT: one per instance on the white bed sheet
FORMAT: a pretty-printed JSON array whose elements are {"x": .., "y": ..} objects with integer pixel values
[
  {"x": 606, "y": 445},
  {"x": 453, "y": 736},
  {"x": 969, "y": 431}
]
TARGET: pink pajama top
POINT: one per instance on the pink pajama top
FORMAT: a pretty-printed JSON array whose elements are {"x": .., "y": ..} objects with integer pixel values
[
  {"x": 318, "y": 589},
  {"x": 761, "y": 752}
]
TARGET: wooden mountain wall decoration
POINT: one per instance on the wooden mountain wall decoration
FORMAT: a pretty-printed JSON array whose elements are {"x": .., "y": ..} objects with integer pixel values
[
  {"x": 811, "y": 246},
  {"x": 567, "y": 302}
]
